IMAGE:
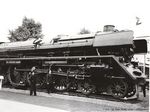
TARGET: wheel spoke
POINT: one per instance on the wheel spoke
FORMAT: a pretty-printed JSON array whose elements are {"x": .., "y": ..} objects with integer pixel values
[{"x": 121, "y": 91}]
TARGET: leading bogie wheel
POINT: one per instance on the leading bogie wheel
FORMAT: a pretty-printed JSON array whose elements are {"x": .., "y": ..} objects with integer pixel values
[
  {"x": 131, "y": 90},
  {"x": 117, "y": 88}
]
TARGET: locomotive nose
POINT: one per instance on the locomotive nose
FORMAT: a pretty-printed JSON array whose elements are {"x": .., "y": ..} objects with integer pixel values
[{"x": 135, "y": 72}]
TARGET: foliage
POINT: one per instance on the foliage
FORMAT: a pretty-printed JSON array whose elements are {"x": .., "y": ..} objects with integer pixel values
[
  {"x": 84, "y": 31},
  {"x": 28, "y": 29}
]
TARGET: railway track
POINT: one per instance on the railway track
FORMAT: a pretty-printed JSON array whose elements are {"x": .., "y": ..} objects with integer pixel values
[
  {"x": 93, "y": 95},
  {"x": 99, "y": 96}
]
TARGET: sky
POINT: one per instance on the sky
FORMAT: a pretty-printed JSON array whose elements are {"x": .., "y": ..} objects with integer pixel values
[{"x": 68, "y": 17}]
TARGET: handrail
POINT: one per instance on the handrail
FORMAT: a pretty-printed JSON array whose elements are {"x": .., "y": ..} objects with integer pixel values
[{"x": 53, "y": 58}]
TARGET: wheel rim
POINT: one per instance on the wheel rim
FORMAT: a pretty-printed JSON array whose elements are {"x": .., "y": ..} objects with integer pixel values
[
  {"x": 117, "y": 89},
  {"x": 61, "y": 84}
]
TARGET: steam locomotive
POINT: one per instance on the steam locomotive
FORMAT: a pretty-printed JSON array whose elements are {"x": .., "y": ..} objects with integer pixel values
[{"x": 87, "y": 63}]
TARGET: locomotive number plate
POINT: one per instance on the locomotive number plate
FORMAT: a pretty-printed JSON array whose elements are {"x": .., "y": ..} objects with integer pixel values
[{"x": 13, "y": 62}]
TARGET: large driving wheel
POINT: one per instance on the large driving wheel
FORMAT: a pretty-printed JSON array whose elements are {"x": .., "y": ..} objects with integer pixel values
[
  {"x": 118, "y": 88},
  {"x": 16, "y": 78},
  {"x": 41, "y": 80},
  {"x": 87, "y": 87},
  {"x": 61, "y": 84}
]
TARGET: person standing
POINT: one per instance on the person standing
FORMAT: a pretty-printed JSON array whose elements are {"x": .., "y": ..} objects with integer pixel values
[
  {"x": 49, "y": 81},
  {"x": 32, "y": 79}
]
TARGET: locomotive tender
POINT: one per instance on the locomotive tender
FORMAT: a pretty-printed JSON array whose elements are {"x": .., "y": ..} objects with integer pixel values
[{"x": 88, "y": 63}]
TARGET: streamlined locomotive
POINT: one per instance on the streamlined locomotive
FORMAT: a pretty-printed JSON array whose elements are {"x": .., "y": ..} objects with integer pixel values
[{"x": 87, "y": 63}]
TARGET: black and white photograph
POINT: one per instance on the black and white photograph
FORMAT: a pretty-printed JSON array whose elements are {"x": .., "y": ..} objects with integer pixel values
[{"x": 74, "y": 55}]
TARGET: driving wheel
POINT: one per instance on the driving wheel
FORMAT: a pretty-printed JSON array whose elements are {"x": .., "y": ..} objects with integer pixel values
[
  {"x": 87, "y": 87},
  {"x": 61, "y": 84}
]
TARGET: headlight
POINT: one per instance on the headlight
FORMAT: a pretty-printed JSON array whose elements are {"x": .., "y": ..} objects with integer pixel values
[{"x": 137, "y": 73}]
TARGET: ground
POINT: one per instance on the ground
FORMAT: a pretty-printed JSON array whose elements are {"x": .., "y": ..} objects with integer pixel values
[{"x": 19, "y": 100}]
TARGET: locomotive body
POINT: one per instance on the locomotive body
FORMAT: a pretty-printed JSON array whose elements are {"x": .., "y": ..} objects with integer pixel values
[
  {"x": 90, "y": 63},
  {"x": 89, "y": 41}
]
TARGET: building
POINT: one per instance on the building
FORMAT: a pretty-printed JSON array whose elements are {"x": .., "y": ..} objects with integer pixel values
[{"x": 144, "y": 58}]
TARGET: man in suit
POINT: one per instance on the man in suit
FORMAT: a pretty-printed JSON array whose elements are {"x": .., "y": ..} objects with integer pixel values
[
  {"x": 32, "y": 79},
  {"x": 49, "y": 81}
]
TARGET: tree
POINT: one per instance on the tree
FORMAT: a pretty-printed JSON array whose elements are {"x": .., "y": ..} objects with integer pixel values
[
  {"x": 84, "y": 31},
  {"x": 28, "y": 29}
]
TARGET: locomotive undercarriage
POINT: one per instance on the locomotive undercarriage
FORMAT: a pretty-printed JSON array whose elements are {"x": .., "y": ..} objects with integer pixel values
[{"x": 100, "y": 75}]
